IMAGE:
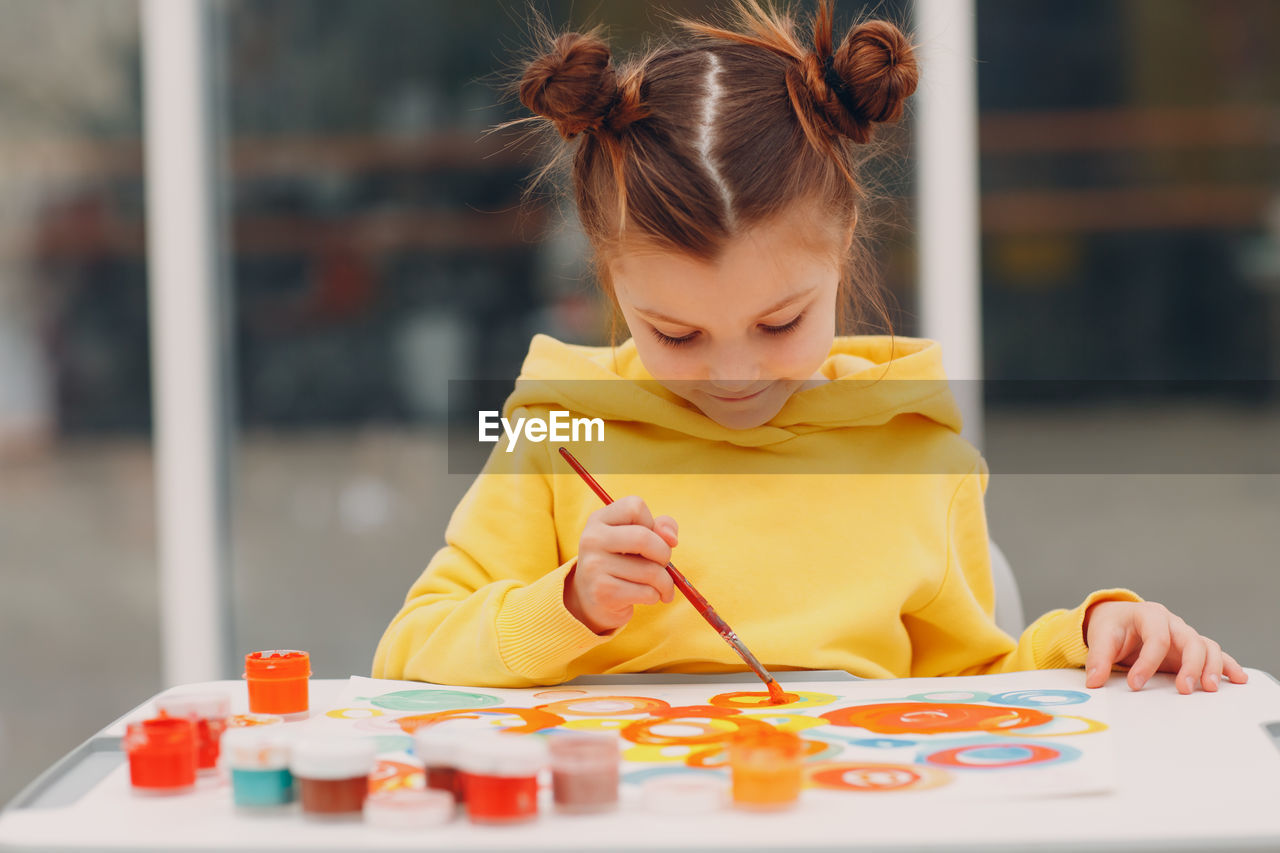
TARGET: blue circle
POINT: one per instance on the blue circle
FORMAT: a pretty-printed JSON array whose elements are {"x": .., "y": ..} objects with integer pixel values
[
  {"x": 1039, "y": 698},
  {"x": 639, "y": 776},
  {"x": 932, "y": 696}
]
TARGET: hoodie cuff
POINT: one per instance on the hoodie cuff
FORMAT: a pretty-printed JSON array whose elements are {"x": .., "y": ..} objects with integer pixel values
[
  {"x": 537, "y": 636},
  {"x": 1060, "y": 642}
]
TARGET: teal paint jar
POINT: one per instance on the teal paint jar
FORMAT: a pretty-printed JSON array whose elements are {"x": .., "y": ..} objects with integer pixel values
[{"x": 258, "y": 761}]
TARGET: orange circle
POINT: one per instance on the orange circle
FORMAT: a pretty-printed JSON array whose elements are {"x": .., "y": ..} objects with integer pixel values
[
  {"x": 932, "y": 718},
  {"x": 641, "y": 731},
  {"x": 639, "y": 705},
  {"x": 535, "y": 720}
]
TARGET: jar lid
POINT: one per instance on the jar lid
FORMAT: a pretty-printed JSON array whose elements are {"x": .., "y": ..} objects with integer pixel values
[
  {"x": 583, "y": 749},
  {"x": 256, "y": 748},
  {"x": 685, "y": 793},
  {"x": 332, "y": 757},
  {"x": 277, "y": 663},
  {"x": 160, "y": 736},
  {"x": 435, "y": 747},
  {"x": 502, "y": 755},
  {"x": 408, "y": 808},
  {"x": 206, "y": 706}
]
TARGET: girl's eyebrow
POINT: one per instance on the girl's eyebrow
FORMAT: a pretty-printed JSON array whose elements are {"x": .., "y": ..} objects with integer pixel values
[{"x": 786, "y": 300}]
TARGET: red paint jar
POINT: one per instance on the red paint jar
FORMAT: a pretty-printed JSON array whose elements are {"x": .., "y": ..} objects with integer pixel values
[
  {"x": 438, "y": 752},
  {"x": 162, "y": 755},
  {"x": 501, "y": 773},
  {"x": 331, "y": 775},
  {"x": 278, "y": 681},
  {"x": 584, "y": 772},
  {"x": 209, "y": 713}
]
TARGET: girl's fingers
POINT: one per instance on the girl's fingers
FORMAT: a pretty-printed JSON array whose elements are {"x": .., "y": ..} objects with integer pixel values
[
  {"x": 666, "y": 527},
  {"x": 634, "y": 539},
  {"x": 1233, "y": 670},
  {"x": 637, "y": 570},
  {"x": 1154, "y": 630},
  {"x": 1195, "y": 653},
  {"x": 1212, "y": 666},
  {"x": 1104, "y": 650},
  {"x": 628, "y": 510},
  {"x": 617, "y": 595}
]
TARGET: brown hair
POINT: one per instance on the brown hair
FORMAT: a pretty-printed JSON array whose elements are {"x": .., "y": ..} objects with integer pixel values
[{"x": 696, "y": 142}]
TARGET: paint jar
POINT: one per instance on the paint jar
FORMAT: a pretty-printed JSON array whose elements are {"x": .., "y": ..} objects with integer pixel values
[
  {"x": 278, "y": 682},
  {"x": 768, "y": 769},
  {"x": 584, "y": 772},
  {"x": 209, "y": 713},
  {"x": 438, "y": 752},
  {"x": 258, "y": 759},
  {"x": 409, "y": 808},
  {"x": 162, "y": 755},
  {"x": 332, "y": 774},
  {"x": 501, "y": 777}
]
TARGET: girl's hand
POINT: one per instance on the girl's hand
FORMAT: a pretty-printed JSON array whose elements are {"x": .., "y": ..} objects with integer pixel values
[
  {"x": 622, "y": 558},
  {"x": 1147, "y": 638}
]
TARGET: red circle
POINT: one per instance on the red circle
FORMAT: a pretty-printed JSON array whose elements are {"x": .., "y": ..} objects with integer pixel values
[
  {"x": 950, "y": 757},
  {"x": 834, "y": 777}
]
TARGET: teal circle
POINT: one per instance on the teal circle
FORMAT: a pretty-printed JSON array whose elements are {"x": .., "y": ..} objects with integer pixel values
[{"x": 432, "y": 700}]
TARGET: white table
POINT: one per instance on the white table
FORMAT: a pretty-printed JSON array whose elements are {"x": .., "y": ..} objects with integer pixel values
[{"x": 1217, "y": 787}]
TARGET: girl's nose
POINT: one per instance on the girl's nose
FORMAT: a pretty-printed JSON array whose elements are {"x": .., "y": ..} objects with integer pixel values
[{"x": 733, "y": 374}]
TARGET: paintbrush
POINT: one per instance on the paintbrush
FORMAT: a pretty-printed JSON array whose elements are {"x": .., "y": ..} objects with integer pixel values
[{"x": 776, "y": 694}]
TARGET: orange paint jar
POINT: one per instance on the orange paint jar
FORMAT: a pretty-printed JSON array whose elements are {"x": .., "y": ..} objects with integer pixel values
[
  {"x": 278, "y": 681},
  {"x": 768, "y": 769}
]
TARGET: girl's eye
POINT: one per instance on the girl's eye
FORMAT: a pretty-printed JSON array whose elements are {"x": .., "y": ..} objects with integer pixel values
[
  {"x": 785, "y": 327},
  {"x": 675, "y": 342}
]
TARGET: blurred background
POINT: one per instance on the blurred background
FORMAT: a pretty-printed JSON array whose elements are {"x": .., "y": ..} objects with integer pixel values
[{"x": 376, "y": 247}]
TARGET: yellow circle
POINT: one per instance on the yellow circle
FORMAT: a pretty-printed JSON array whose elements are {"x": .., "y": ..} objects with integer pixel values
[
  {"x": 1090, "y": 726},
  {"x": 353, "y": 713}
]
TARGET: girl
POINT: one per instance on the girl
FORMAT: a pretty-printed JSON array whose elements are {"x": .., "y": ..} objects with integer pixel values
[{"x": 832, "y": 513}]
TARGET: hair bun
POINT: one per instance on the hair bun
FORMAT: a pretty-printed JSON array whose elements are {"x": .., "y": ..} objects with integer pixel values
[
  {"x": 573, "y": 84},
  {"x": 877, "y": 67}
]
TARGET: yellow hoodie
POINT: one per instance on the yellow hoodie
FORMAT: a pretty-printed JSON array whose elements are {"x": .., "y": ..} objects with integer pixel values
[{"x": 873, "y": 559}]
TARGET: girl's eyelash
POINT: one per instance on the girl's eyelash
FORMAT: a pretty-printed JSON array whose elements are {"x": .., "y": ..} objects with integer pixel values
[
  {"x": 785, "y": 327},
  {"x": 772, "y": 330},
  {"x": 675, "y": 342}
]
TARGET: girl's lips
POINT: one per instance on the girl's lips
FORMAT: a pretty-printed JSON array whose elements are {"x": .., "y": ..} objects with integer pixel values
[{"x": 737, "y": 399}]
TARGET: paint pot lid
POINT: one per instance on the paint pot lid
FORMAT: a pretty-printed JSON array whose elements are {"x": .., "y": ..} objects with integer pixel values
[
  {"x": 435, "y": 747},
  {"x": 502, "y": 755},
  {"x": 583, "y": 750},
  {"x": 206, "y": 706},
  {"x": 256, "y": 748},
  {"x": 332, "y": 757},
  {"x": 277, "y": 663},
  {"x": 409, "y": 808},
  {"x": 685, "y": 793}
]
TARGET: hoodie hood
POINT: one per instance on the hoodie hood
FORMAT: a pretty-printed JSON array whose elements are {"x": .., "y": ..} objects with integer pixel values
[{"x": 873, "y": 379}]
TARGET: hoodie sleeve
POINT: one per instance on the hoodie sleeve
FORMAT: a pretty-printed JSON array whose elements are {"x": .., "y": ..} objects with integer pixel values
[
  {"x": 489, "y": 609},
  {"x": 955, "y": 632}
]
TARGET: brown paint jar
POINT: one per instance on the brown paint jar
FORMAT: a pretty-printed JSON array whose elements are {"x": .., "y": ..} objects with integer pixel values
[
  {"x": 584, "y": 772},
  {"x": 332, "y": 775},
  {"x": 438, "y": 752}
]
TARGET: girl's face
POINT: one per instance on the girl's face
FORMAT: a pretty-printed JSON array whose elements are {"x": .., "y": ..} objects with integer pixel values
[{"x": 736, "y": 337}]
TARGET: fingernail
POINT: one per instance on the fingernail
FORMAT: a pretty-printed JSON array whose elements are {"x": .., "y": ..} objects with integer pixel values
[
  {"x": 1091, "y": 672},
  {"x": 1213, "y": 679}
]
